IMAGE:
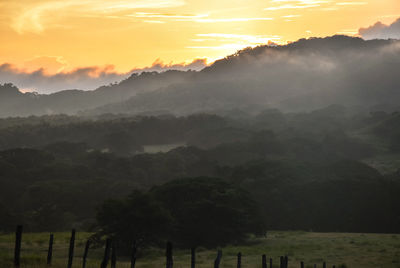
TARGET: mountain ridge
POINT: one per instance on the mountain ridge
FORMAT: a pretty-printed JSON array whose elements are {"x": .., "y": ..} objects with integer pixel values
[{"x": 303, "y": 75}]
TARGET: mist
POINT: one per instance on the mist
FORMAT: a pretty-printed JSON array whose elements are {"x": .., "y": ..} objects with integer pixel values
[
  {"x": 301, "y": 76},
  {"x": 381, "y": 31},
  {"x": 85, "y": 78}
]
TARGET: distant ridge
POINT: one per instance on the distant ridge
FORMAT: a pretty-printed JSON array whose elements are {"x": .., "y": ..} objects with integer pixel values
[{"x": 300, "y": 76}]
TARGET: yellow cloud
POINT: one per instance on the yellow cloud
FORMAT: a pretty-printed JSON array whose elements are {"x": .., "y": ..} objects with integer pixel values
[
  {"x": 201, "y": 18},
  {"x": 51, "y": 64},
  {"x": 167, "y": 16},
  {"x": 232, "y": 20},
  {"x": 351, "y": 3},
  {"x": 37, "y": 16},
  {"x": 131, "y": 33},
  {"x": 291, "y": 16},
  {"x": 249, "y": 39},
  {"x": 154, "y": 21},
  {"x": 290, "y": 6}
]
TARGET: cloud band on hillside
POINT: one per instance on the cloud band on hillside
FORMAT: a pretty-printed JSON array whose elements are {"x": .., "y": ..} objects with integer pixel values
[
  {"x": 87, "y": 78},
  {"x": 381, "y": 31}
]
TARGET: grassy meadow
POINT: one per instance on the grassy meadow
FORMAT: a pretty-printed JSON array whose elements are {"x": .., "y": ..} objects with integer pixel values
[{"x": 340, "y": 249}]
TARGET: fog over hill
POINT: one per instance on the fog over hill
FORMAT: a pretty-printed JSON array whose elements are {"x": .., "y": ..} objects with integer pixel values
[{"x": 301, "y": 76}]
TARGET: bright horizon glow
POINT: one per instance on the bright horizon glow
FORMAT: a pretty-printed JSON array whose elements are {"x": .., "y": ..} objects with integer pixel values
[{"x": 60, "y": 36}]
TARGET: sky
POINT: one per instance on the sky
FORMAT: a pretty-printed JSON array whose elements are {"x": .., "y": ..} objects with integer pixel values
[{"x": 114, "y": 37}]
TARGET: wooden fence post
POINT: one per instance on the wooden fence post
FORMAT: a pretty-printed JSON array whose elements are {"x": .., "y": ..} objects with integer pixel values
[
  {"x": 85, "y": 253},
  {"x": 106, "y": 256},
  {"x": 170, "y": 261},
  {"x": 286, "y": 260},
  {"x": 71, "y": 248},
  {"x": 239, "y": 260},
  {"x": 324, "y": 265},
  {"x": 113, "y": 256},
  {"x": 133, "y": 255},
  {"x": 50, "y": 250},
  {"x": 270, "y": 262},
  {"x": 264, "y": 261},
  {"x": 17, "y": 250},
  {"x": 218, "y": 259},
  {"x": 193, "y": 257},
  {"x": 302, "y": 264},
  {"x": 281, "y": 262}
]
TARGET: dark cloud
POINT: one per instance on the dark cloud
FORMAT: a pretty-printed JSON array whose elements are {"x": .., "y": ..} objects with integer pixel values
[
  {"x": 381, "y": 31},
  {"x": 87, "y": 78}
]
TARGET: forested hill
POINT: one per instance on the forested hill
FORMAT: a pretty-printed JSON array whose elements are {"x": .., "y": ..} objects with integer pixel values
[
  {"x": 301, "y": 76},
  {"x": 328, "y": 170}
]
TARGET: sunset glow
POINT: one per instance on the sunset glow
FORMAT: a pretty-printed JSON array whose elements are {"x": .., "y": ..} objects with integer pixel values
[{"x": 60, "y": 36}]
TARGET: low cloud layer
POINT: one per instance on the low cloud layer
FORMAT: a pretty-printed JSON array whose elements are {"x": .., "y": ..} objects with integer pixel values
[
  {"x": 160, "y": 66},
  {"x": 301, "y": 76},
  {"x": 87, "y": 78},
  {"x": 381, "y": 31}
]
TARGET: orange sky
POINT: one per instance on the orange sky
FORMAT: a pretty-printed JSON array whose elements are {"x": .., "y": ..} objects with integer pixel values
[{"x": 64, "y": 35}]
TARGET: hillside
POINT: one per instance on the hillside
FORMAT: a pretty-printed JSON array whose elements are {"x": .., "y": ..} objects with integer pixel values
[
  {"x": 301, "y": 76},
  {"x": 303, "y": 168}
]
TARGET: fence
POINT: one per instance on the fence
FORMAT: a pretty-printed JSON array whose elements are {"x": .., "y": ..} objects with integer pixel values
[{"x": 110, "y": 255}]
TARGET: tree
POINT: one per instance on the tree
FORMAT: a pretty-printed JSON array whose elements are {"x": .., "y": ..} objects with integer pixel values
[
  {"x": 208, "y": 212},
  {"x": 138, "y": 218},
  {"x": 190, "y": 212}
]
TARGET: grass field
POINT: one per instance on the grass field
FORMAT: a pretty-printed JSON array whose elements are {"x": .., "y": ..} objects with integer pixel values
[{"x": 341, "y": 249}]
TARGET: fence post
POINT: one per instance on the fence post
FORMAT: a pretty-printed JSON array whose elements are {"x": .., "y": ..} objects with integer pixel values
[
  {"x": 85, "y": 253},
  {"x": 218, "y": 259},
  {"x": 113, "y": 256},
  {"x": 106, "y": 256},
  {"x": 170, "y": 261},
  {"x": 50, "y": 250},
  {"x": 71, "y": 248},
  {"x": 286, "y": 259},
  {"x": 324, "y": 265},
  {"x": 302, "y": 264},
  {"x": 17, "y": 251},
  {"x": 281, "y": 262},
  {"x": 264, "y": 261},
  {"x": 133, "y": 254},
  {"x": 270, "y": 262},
  {"x": 193, "y": 257},
  {"x": 239, "y": 260}
]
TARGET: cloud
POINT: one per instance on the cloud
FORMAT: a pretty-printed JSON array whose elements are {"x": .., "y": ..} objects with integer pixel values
[
  {"x": 39, "y": 15},
  {"x": 159, "y": 66},
  {"x": 304, "y": 2},
  {"x": 296, "y": 4},
  {"x": 291, "y": 16},
  {"x": 232, "y": 20},
  {"x": 43, "y": 82},
  {"x": 154, "y": 21},
  {"x": 167, "y": 16},
  {"x": 234, "y": 42},
  {"x": 54, "y": 64},
  {"x": 349, "y": 32},
  {"x": 249, "y": 39},
  {"x": 290, "y": 6},
  {"x": 304, "y": 75},
  {"x": 200, "y": 18},
  {"x": 86, "y": 78},
  {"x": 381, "y": 31},
  {"x": 351, "y": 3}
]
